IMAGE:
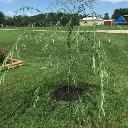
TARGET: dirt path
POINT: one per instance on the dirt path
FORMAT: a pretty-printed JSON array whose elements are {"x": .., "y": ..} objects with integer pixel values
[
  {"x": 104, "y": 31},
  {"x": 8, "y": 29},
  {"x": 113, "y": 31}
]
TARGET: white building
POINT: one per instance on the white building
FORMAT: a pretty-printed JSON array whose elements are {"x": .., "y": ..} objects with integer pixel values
[{"x": 90, "y": 21}]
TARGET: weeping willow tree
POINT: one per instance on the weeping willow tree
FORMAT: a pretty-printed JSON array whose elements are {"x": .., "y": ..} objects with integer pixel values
[{"x": 100, "y": 61}]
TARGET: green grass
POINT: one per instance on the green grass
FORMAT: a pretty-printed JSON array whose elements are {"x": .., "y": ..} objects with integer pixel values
[{"x": 46, "y": 68}]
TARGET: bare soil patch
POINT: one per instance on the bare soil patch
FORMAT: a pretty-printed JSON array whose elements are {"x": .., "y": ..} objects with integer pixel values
[{"x": 71, "y": 92}]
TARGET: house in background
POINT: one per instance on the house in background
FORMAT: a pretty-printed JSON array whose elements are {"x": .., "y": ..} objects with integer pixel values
[
  {"x": 98, "y": 20},
  {"x": 121, "y": 20},
  {"x": 108, "y": 22},
  {"x": 90, "y": 21}
]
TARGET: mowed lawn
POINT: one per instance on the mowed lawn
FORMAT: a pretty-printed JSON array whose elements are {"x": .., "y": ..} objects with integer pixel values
[{"x": 25, "y": 94}]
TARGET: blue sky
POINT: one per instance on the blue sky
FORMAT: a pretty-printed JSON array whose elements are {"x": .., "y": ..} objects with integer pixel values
[{"x": 101, "y": 6}]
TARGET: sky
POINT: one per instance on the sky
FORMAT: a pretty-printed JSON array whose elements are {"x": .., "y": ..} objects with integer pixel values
[{"x": 8, "y": 7}]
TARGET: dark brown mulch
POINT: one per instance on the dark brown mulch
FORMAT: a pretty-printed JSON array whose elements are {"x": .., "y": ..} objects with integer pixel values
[
  {"x": 3, "y": 53},
  {"x": 2, "y": 58},
  {"x": 68, "y": 92}
]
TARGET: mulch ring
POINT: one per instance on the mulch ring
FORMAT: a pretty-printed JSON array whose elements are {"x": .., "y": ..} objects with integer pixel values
[{"x": 71, "y": 92}]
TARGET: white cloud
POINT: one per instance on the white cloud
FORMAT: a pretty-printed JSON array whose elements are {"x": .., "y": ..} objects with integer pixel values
[
  {"x": 7, "y": 1},
  {"x": 114, "y": 1},
  {"x": 10, "y": 13}
]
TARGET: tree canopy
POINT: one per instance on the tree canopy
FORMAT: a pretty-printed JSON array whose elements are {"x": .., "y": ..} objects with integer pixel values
[
  {"x": 120, "y": 12},
  {"x": 44, "y": 20},
  {"x": 106, "y": 16},
  {"x": 2, "y": 18}
]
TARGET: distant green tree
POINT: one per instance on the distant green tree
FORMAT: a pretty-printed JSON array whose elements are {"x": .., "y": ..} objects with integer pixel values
[
  {"x": 106, "y": 16},
  {"x": 120, "y": 12},
  {"x": 9, "y": 21},
  {"x": 2, "y": 18}
]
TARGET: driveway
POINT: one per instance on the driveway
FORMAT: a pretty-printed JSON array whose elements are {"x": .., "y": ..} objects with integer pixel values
[
  {"x": 105, "y": 31},
  {"x": 113, "y": 31}
]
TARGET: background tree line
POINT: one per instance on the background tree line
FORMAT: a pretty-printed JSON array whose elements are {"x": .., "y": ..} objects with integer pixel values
[
  {"x": 41, "y": 20},
  {"x": 51, "y": 19}
]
